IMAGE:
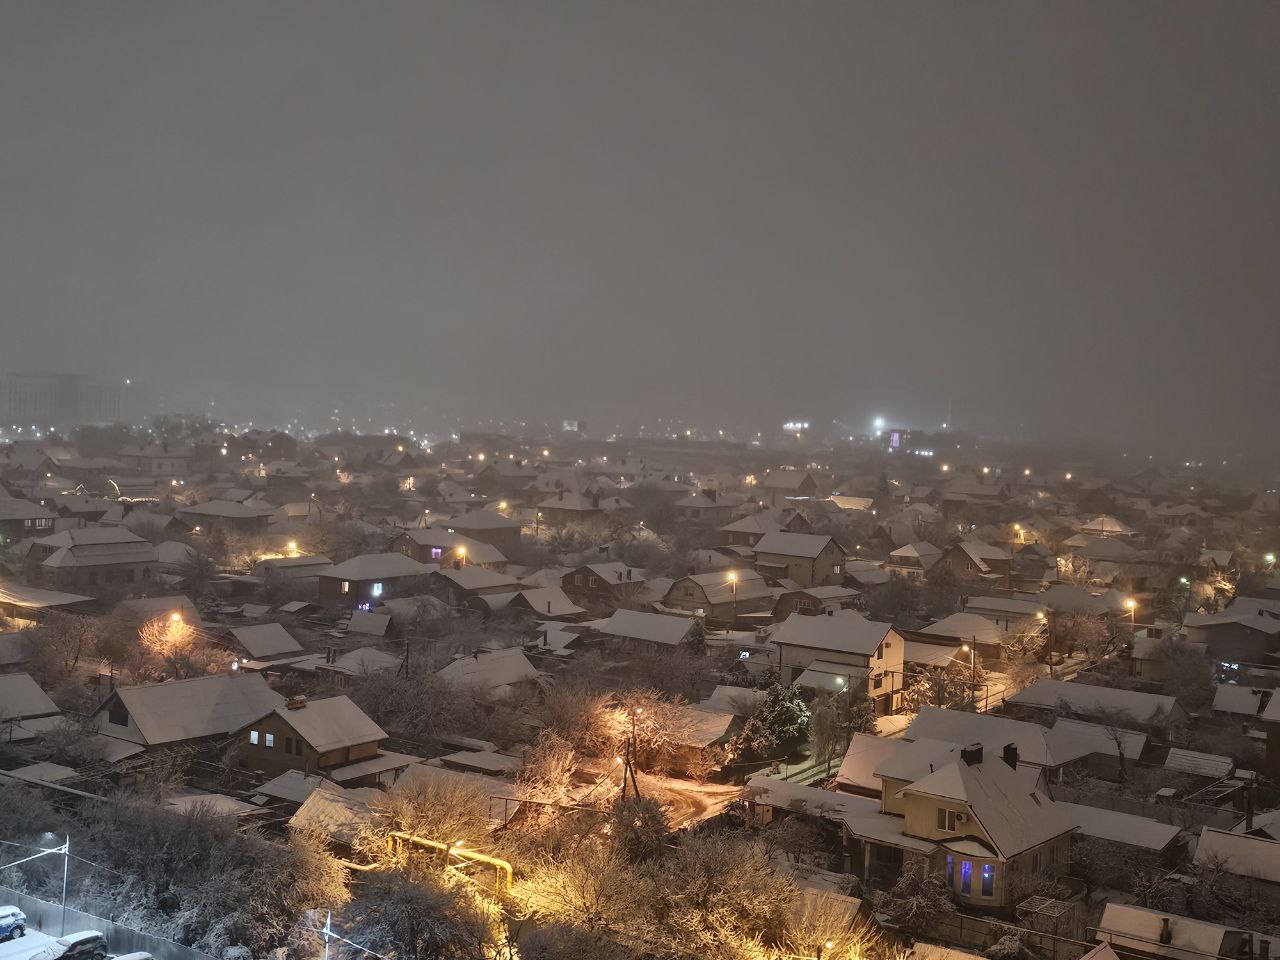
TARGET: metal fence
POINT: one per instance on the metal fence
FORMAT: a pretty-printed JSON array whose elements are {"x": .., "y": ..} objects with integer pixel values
[{"x": 47, "y": 918}]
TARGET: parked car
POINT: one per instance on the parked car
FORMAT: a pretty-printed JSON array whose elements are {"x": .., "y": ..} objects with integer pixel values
[
  {"x": 85, "y": 945},
  {"x": 13, "y": 923},
  {"x": 136, "y": 956}
]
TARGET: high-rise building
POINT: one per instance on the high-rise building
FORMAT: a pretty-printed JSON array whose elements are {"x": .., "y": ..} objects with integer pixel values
[{"x": 44, "y": 399}]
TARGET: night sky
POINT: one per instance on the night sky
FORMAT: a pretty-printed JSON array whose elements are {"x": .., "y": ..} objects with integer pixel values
[{"x": 1062, "y": 218}]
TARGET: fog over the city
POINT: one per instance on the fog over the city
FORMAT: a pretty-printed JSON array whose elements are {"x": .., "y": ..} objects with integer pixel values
[{"x": 1049, "y": 218}]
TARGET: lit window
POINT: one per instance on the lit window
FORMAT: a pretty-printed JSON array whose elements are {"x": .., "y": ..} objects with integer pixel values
[
  {"x": 966, "y": 876},
  {"x": 988, "y": 880},
  {"x": 346, "y": 586},
  {"x": 253, "y": 737},
  {"x": 377, "y": 589},
  {"x": 436, "y": 553},
  {"x": 270, "y": 741}
]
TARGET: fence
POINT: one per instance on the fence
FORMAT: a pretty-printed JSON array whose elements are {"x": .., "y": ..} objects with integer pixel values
[
  {"x": 47, "y": 918},
  {"x": 981, "y": 933}
]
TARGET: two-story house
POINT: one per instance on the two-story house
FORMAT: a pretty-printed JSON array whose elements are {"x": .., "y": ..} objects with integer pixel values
[
  {"x": 332, "y": 737},
  {"x": 92, "y": 557},
  {"x": 806, "y": 559},
  {"x": 975, "y": 560},
  {"x": 157, "y": 459},
  {"x": 781, "y": 488},
  {"x": 367, "y": 578},
  {"x": 439, "y": 545},
  {"x": 912, "y": 560},
  {"x": 22, "y": 520},
  {"x": 841, "y": 650},
  {"x": 605, "y": 584},
  {"x": 720, "y": 597}
]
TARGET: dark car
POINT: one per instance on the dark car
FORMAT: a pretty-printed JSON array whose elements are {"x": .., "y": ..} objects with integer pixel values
[{"x": 86, "y": 945}]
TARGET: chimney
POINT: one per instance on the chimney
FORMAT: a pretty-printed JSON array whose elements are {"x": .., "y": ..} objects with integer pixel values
[
  {"x": 711, "y": 495},
  {"x": 972, "y": 754},
  {"x": 628, "y": 573},
  {"x": 595, "y": 501},
  {"x": 330, "y": 654},
  {"x": 831, "y": 611},
  {"x": 296, "y": 703},
  {"x": 548, "y": 606},
  {"x": 1010, "y": 755},
  {"x": 1166, "y": 931}
]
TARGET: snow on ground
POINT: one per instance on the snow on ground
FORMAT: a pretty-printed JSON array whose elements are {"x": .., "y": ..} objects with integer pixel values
[{"x": 21, "y": 948}]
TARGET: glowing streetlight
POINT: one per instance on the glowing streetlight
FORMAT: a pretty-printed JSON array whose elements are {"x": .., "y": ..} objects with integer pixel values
[
  {"x": 1068, "y": 474},
  {"x": 1026, "y": 471},
  {"x": 175, "y": 618},
  {"x": 292, "y": 546},
  {"x": 1270, "y": 559},
  {"x": 985, "y": 471}
]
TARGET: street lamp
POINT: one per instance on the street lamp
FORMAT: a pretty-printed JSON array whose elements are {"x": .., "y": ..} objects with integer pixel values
[
  {"x": 1131, "y": 605},
  {"x": 462, "y": 555},
  {"x": 972, "y": 650},
  {"x": 824, "y": 946},
  {"x": 1269, "y": 559},
  {"x": 733, "y": 585}
]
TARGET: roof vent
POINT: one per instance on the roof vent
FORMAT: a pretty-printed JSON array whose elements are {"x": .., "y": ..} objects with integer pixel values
[
  {"x": 972, "y": 754},
  {"x": 296, "y": 703},
  {"x": 1166, "y": 930}
]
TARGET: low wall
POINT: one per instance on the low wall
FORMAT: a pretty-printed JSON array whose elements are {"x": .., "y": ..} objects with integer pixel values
[{"x": 47, "y": 918}]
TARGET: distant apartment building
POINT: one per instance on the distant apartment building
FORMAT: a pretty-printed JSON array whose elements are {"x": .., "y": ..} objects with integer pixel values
[{"x": 44, "y": 399}]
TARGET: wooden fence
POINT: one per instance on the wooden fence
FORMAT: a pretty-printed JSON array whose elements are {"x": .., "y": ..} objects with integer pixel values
[{"x": 979, "y": 933}]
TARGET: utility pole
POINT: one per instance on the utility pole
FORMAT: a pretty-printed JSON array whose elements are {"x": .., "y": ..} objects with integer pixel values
[{"x": 66, "y": 867}]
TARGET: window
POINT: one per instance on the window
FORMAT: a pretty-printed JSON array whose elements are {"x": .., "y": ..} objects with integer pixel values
[
  {"x": 966, "y": 876},
  {"x": 346, "y": 586},
  {"x": 877, "y": 682},
  {"x": 377, "y": 589},
  {"x": 288, "y": 744},
  {"x": 253, "y": 737},
  {"x": 988, "y": 880},
  {"x": 1035, "y": 863},
  {"x": 836, "y": 567},
  {"x": 436, "y": 553},
  {"x": 269, "y": 740},
  {"x": 577, "y": 579},
  {"x": 946, "y": 820},
  {"x": 951, "y": 872}
]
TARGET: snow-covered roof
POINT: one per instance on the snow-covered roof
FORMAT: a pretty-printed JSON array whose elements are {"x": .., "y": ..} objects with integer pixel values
[
  {"x": 967, "y": 626},
  {"x": 1242, "y": 854},
  {"x": 266, "y": 640},
  {"x": 720, "y": 589},
  {"x": 375, "y": 566},
  {"x": 180, "y": 710},
  {"x": 22, "y": 698},
  {"x": 1139, "y": 929},
  {"x": 844, "y": 631},
  {"x": 1117, "y": 827},
  {"x": 1086, "y": 699},
  {"x": 1015, "y": 816},
  {"x": 652, "y": 627},
  {"x": 1068, "y": 740},
  {"x": 35, "y": 598},
  {"x": 861, "y": 815},
  {"x": 293, "y": 785},
  {"x": 336, "y": 813},
  {"x": 492, "y": 671},
  {"x": 477, "y": 578},
  {"x": 1199, "y": 764},
  {"x": 792, "y": 544},
  {"x": 331, "y": 723},
  {"x": 368, "y": 623},
  {"x": 738, "y": 700}
]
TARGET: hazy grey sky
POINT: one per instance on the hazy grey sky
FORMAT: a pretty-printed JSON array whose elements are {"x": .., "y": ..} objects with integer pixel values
[{"x": 1063, "y": 216}]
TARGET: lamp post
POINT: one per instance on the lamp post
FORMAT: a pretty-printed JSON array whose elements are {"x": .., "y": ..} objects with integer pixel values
[
  {"x": 972, "y": 650},
  {"x": 824, "y": 946},
  {"x": 733, "y": 586},
  {"x": 1186, "y": 599},
  {"x": 1131, "y": 605}
]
